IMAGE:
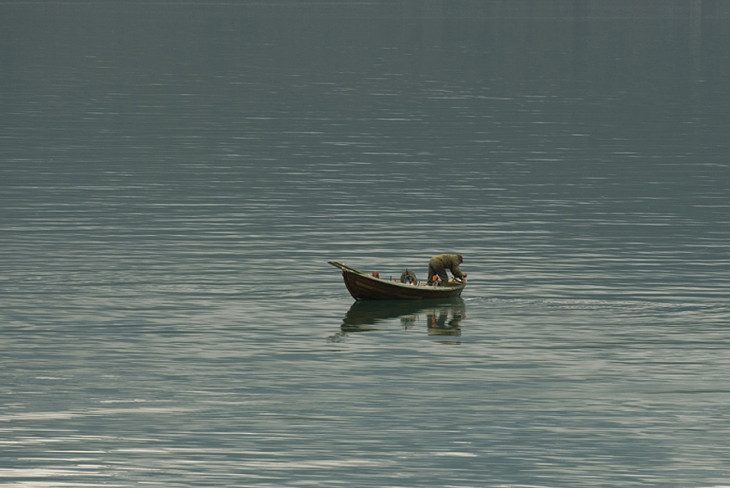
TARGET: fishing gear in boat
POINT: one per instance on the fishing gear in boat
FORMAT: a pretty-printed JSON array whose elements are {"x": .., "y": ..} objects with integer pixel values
[{"x": 408, "y": 277}]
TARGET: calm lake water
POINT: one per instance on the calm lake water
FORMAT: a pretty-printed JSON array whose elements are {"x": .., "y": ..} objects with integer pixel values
[{"x": 174, "y": 177}]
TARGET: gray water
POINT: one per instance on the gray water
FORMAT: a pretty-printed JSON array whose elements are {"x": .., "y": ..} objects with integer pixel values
[{"x": 174, "y": 177}]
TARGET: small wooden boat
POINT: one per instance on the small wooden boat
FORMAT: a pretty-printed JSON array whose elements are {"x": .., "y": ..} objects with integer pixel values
[{"x": 365, "y": 286}]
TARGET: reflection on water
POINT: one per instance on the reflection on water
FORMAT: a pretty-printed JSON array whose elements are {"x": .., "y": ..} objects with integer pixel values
[{"x": 438, "y": 317}]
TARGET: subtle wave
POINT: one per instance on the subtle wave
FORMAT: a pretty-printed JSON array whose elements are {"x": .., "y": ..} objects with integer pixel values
[{"x": 174, "y": 179}]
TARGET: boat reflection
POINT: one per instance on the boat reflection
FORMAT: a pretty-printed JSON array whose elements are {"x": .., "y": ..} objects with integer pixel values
[{"x": 440, "y": 317}]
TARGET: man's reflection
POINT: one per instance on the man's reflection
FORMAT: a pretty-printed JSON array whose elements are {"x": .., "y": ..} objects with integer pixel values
[{"x": 444, "y": 321}]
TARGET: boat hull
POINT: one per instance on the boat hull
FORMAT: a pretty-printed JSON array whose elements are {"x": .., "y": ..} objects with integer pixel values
[{"x": 366, "y": 287}]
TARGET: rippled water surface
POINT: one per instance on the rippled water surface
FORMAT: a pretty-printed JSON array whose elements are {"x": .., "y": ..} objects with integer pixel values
[{"x": 174, "y": 177}]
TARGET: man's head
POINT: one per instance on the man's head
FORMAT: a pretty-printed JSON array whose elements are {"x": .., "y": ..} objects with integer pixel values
[{"x": 460, "y": 257}]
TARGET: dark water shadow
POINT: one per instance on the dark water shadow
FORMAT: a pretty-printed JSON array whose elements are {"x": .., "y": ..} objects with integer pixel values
[{"x": 438, "y": 317}]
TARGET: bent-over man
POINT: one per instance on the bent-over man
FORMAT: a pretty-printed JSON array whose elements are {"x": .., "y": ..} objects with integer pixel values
[{"x": 438, "y": 265}]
